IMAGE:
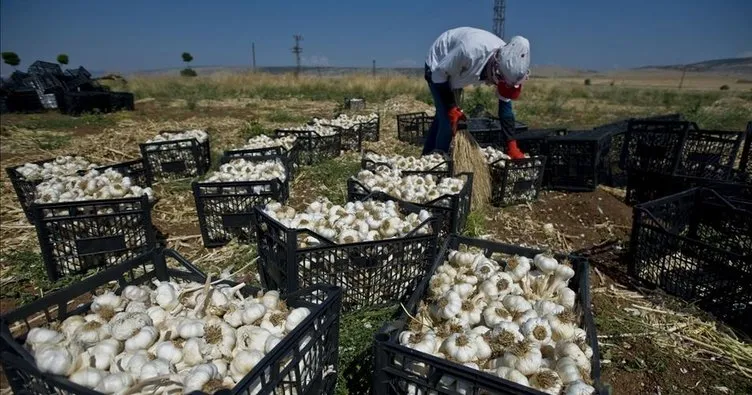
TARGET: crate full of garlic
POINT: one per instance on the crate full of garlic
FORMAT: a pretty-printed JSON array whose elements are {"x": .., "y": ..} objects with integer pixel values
[
  {"x": 447, "y": 197},
  {"x": 355, "y": 129},
  {"x": 226, "y": 197},
  {"x": 377, "y": 251},
  {"x": 26, "y": 177},
  {"x": 91, "y": 220},
  {"x": 176, "y": 154},
  {"x": 315, "y": 143},
  {"x": 514, "y": 181},
  {"x": 492, "y": 318},
  {"x": 146, "y": 327},
  {"x": 263, "y": 145},
  {"x": 438, "y": 164}
]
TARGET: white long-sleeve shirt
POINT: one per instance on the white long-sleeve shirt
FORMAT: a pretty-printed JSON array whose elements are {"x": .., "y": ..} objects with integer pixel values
[{"x": 458, "y": 55}]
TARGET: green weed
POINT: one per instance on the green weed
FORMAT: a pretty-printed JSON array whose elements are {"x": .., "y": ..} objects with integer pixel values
[
  {"x": 331, "y": 176},
  {"x": 355, "y": 348}
]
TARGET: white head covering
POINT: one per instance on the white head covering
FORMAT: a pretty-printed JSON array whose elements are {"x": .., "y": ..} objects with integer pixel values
[{"x": 513, "y": 60}]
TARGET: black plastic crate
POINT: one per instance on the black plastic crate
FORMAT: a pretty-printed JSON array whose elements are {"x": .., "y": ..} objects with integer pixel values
[
  {"x": 301, "y": 363},
  {"x": 23, "y": 101},
  {"x": 225, "y": 209},
  {"x": 371, "y": 273},
  {"x": 516, "y": 181},
  {"x": 313, "y": 147},
  {"x": 173, "y": 159},
  {"x": 25, "y": 189},
  {"x": 697, "y": 245},
  {"x": 441, "y": 170},
  {"x": 413, "y": 127},
  {"x": 653, "y": 146},
  {"x": 645, "y": 186},
  {"x": 745, "y": 164},
  {"x": 575, "y": 160},
  {"x": 353, "y": 137},
  {"x": 77, "y": 103},
  {"x": 122, "y": 101},
  {"x": 392, "y": 374},
  {"x": 77, "y": 237},
  {"x": 532, "y": 141},
  {"x": 709, "y": 153},
  {"x": 292, "y": 155},
  {"x": 42, "y": 67},
  {"x": 452, "y": 209}
]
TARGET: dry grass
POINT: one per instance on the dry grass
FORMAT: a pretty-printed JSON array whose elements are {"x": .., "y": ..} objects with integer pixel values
[{"x": 468, "y": 158}]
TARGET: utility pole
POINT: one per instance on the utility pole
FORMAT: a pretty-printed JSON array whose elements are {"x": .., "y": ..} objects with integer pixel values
[
  {"x": 373, "y": 69},
  {"x": 681, "y": 81},
  {"x": 297, "y": 49},
  {"x": 253, "y": 51},
  {"x": 499, "y": 17}
]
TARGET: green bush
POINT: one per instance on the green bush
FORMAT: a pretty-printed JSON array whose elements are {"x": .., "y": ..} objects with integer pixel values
[
  {"x": 188, "y": 72},
  {"x": 724, "y": 87},
  {"x": 587, "y": 81}
]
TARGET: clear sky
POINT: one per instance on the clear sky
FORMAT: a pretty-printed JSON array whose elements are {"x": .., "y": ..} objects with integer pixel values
[{"x": 139, "y": 35}]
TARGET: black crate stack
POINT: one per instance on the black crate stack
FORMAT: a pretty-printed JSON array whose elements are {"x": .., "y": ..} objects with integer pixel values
[
  {"x": 47, "y": 87},
  {"x": 667, "y": 157}
]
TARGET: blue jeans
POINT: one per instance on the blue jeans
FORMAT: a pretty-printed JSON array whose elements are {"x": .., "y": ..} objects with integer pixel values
[{"x": 440, "y": 133}]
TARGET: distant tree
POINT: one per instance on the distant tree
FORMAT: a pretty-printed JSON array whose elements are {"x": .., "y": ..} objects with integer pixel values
[
  {"x": 62, "y": 59},
  {"x": 11, "y": 59},
  {"x": 725, "y": 87},
  {"x": 187, "y": 58},
  {"x": 587, "y": 81}
]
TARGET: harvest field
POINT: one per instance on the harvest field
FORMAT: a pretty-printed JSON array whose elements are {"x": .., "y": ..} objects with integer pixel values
[{"x": 650, "y": 343}]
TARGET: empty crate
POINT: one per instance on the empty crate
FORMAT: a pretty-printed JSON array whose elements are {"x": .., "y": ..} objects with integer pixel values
[
  {"x": 697, "y": 245},
  {"x": 413, "y": 127},
  {"x": 575, "y": 160}
]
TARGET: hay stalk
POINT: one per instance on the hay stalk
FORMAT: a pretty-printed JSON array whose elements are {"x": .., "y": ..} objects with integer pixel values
[{"x": 468, "y": 158}]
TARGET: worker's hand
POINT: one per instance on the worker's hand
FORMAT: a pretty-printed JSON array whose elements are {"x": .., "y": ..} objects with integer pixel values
[{"x": 455, "y": 115}]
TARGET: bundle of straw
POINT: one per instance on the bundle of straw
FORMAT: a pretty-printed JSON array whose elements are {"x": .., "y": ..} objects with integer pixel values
[{"x": 468, "y": 158}]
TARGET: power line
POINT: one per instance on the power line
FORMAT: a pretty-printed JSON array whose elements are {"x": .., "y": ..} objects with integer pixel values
[{"x": 297, "y": 49}]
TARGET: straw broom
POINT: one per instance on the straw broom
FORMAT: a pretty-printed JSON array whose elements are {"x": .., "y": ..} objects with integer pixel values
[{"x": 469, "y": 158}]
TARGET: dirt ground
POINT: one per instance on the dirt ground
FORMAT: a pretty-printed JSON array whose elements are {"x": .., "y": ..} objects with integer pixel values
[{"x": 597, "y": 225}]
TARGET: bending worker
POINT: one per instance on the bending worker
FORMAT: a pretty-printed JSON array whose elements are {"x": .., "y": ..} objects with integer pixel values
[{"x": 466, "y": 56}]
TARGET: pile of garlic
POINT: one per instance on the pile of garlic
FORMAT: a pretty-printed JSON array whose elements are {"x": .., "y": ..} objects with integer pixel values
[
  {"x": 411, "y": 163},
  {"x": 321, "y": 130},
  {"x": 345, "y": 121},
  {"x": 244, "y": 170},
  {"x": 411, "y": 188},
  {"x": 60, "y": 166},
  {"x": 493, "y": 155},
  {"x": 516, "y": 321},
  {"x": 175, "y": 338},
  {"x": 264, "y": 141},
  {"x": 93, "y": 185},
  {"x": 352, "y": 223},
  {"x": 200, "y": 135}
]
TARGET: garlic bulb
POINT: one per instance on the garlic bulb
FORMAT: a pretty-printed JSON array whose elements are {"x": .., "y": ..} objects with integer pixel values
[
  {"x": 546, "y": 380},
  {"x": 55, "y": 359},
  {"x": 460, "y": 348},
  {"x": 114, "y": 383},
  {"x": 579, "y": 388},
  {"x": 40, "y": 336},
  {"x": 512, "y": 375},
  {"x": 88, "y": 377},
  {"x": 295, "y": 317},
  {"x": 243, "y": 362}
]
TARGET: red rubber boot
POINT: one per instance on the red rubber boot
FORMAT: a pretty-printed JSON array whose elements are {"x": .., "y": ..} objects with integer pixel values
[{"x": 513, "y": 151}]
